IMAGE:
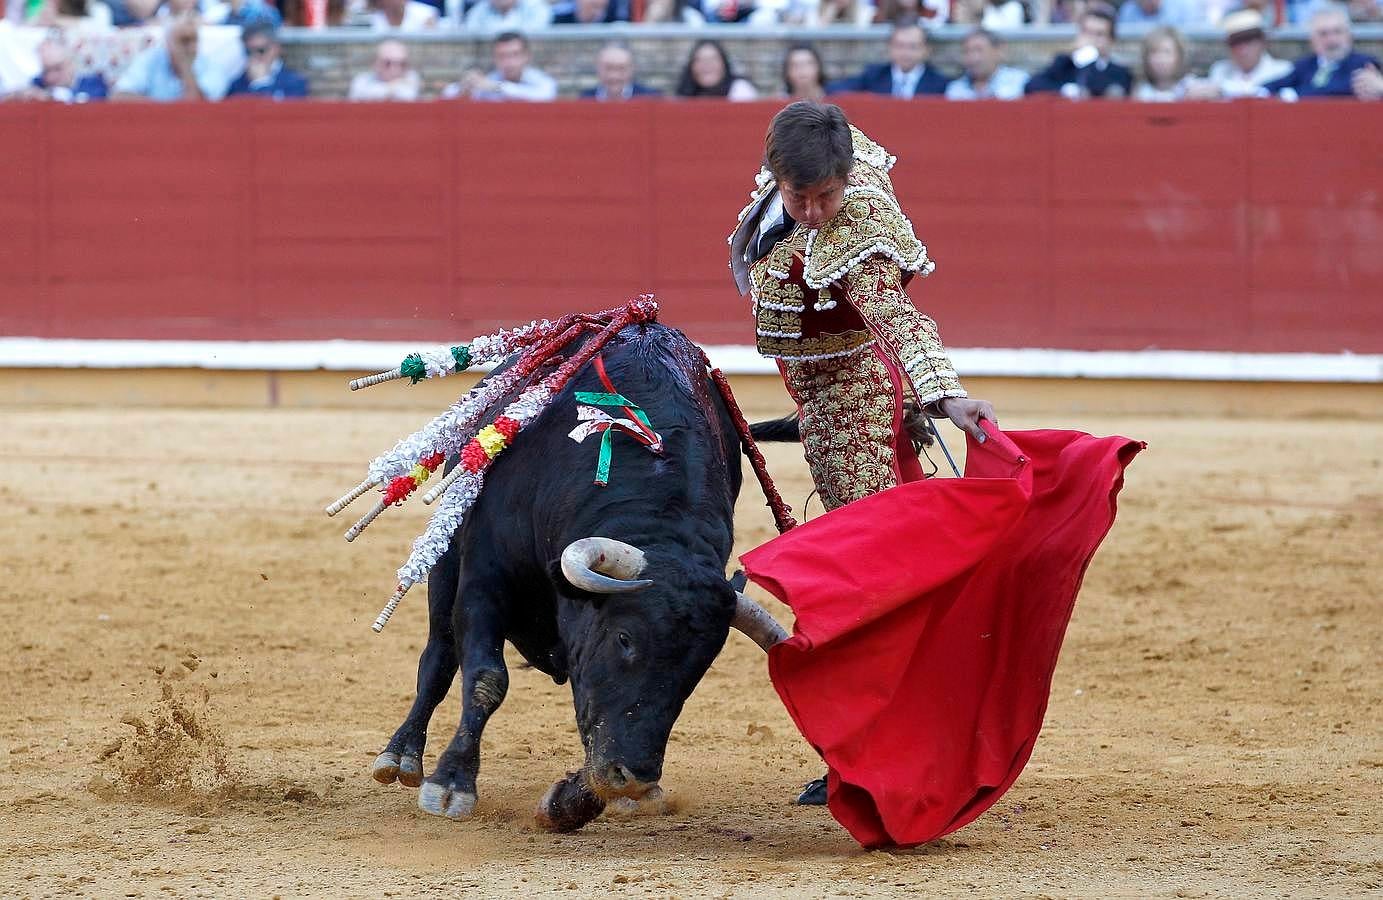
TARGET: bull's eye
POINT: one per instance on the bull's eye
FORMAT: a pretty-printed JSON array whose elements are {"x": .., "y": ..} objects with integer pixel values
[{"x": 625, "y": 642}]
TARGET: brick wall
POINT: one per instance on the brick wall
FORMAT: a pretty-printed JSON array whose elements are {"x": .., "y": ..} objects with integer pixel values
[{"x": 330, "y": 58}]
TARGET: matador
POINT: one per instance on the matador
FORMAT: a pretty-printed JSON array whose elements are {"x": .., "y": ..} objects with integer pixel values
[{"x": 825, "y": 251}]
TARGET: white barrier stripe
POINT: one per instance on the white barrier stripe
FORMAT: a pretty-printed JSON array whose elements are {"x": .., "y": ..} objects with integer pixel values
[{"x": 354, "y": 356}]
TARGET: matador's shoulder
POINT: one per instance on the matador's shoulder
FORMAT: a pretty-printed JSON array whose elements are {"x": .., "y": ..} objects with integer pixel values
[{"x": 870, "y": 223}]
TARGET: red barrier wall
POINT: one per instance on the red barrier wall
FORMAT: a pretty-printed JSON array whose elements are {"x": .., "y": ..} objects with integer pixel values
[{"x": 1246, "y": 226}]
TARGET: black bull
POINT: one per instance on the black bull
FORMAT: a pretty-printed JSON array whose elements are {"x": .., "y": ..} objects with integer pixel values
[{"x": 633, "y": 620}]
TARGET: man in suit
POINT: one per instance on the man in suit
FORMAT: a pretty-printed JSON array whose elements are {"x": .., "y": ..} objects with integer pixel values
[
  {"x": 1087, "y": 71},
  {"x": 907, "y": 74},
  {"x": 1330, "y": 70},
  {"x": 265, "y": 74},
  {"x": 614, "y": 74}
]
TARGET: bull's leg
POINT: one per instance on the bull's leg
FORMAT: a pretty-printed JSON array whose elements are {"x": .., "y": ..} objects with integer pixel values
[
  {"x": 402, "y": 759},
  {"x": 450, "y": 789}
]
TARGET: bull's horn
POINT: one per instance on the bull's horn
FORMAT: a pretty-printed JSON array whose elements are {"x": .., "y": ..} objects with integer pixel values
[
  {"x": 604, "y": 566},
  {"x": 754, "y": 621}
]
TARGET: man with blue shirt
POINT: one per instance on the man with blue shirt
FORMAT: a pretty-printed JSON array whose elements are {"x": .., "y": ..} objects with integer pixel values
[
  {"x": 1176, "y": 13},
  {"x": 1329, "y": 71},
  {"x": 907, "y": 74},
  {"x": 57, "y": 79},
  {"x": 173, "y": 70},
  {"x": 984, "y": 76},
  {"x": 265, "y": 74}
]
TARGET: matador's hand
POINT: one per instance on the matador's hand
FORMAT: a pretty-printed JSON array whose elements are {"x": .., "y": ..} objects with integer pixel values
[{"x": 967, "y": 414}]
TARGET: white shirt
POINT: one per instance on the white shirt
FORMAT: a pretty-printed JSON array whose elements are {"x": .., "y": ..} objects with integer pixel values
[
  {"x": 416, "y": 17},
  {"x": 1234, "y": 82},
  {"x": 523, "y": 16},
  {"x": 905, "y": 83},
  {"x": 1003, "y": 17},
  {"x": 1007, "y": 83},
  {"x": 367, "y": 86},
  {"x": 534, "y": 85}
]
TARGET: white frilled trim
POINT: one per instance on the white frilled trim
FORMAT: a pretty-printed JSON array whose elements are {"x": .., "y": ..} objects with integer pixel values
[
  {"x": 928, "y": 399},
  {"x": 920, "y": 264},
  {"x": 792, "y": 335},
  {"x": 819, "y": 356},
  {"x": 781, "y": 307},
  {"x": 781, "y": 276},
  {"x": 763, "y": 183},
  {"x": 823, "y": 301}
]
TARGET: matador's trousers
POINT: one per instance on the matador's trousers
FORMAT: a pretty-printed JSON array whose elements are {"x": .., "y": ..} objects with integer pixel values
[{"x": 851, "y": 411}]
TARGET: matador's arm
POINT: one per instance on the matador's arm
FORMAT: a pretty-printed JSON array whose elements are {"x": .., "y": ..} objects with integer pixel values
[{"x": 875, "y": 289}]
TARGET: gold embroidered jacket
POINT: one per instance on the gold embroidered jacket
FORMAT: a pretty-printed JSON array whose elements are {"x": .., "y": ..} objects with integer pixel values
[{"x": 835, "y": 290}]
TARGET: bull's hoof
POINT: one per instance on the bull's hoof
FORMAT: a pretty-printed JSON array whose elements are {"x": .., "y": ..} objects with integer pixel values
[
  {"x": 386, "y": 768},
  {"x": 568, "y": 804},
  {"x": 410, "y": 771},
  {"x": 443, "y": 801},
  {"x": 389, "y": 767}
]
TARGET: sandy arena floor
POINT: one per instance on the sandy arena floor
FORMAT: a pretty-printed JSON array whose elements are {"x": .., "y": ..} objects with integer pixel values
[{"x": 192, "y": 694}]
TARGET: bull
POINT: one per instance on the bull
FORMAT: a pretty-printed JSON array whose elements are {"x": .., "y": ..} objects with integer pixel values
[{"x": 620, "y": 589}]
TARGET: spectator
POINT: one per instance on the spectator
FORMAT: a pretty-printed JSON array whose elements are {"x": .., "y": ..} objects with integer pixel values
[
  {"x": 1164, "y": 67},
  {"x": 585, "y": 12},
  {"x": 738, "y": 11},
  {"x": 243, "y": 13},
  {"x": 1249, "y": 66},
  {"x": 265, "y": 74},
  {"x": 173, "y": 70},
  {"x": 804, "y": 78},
  {"x": 403, "y": 16},
  {"x": 125, "y": 13},
  {"x": 985, "y": 77},
  {"x": 390, "y": 78},
  {"x": 303, "y": 12},
  {"x": 1179, "y": 13},
  {"x": 512, "y": 78},
  {"x": 1087, "y": 71},
  {"x": 614, "y": 73},
  {"x": 57, "y": 79},
  {"x": 70, "y": 15},
  {"x": 1365, "y": 11},
  {"x": 911, "y": 12},
  {"x": 907, "y": 74},
  {"x": 1329, "y": 71},
  {"x": 991, "y": 15},
  {"x": 679, "y": 12},
  {"x": 817, "y": 13},
  {"x": 708, "y": 74},
  {"x": 509, "y": 15}
]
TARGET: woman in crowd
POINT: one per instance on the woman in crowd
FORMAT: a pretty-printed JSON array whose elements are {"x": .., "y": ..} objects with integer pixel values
[
  {"x": 804, "y": 77},
  {"x": 1164, "y": 67},
  {"x": 708, "y": 74}
]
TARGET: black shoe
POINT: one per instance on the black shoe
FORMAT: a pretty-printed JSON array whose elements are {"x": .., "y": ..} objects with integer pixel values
[{"x": 814, "y": 794}]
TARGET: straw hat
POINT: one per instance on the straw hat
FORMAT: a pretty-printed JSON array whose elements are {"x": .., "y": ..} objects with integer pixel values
[{"x": 1242, "y": 25}]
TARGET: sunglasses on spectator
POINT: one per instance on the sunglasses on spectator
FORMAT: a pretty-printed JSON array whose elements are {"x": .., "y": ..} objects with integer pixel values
[{"x": 259, "y": 49}]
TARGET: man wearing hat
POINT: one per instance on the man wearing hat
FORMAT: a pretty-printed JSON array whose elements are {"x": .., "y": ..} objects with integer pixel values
[{"x": 1250, "y": 65}]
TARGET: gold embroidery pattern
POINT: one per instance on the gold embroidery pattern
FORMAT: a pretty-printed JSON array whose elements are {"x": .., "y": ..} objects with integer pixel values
[
  {"x": 819, "y": 347},
  {"x": 782, "y": 294},
  {"x": 777, "y": 323},
  {"x": 847, "y": 424},
  {"x": 876, "y": 292}
]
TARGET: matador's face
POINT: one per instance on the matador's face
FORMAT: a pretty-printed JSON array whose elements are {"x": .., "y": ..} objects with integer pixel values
[{"x": 813, "y": 205}]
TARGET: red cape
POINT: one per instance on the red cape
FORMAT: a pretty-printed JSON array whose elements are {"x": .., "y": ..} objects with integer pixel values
[{"x": 929, "y": 619}]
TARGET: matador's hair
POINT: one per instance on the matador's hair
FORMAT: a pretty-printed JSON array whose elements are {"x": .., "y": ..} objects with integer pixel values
[{"x": 807, "y": 143}]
